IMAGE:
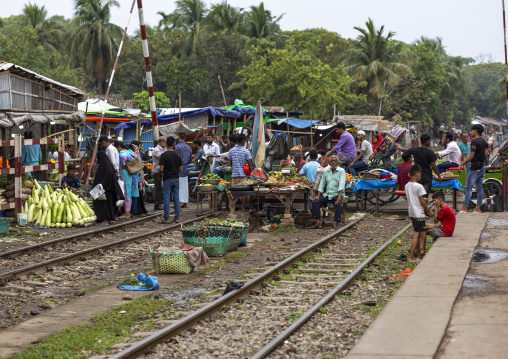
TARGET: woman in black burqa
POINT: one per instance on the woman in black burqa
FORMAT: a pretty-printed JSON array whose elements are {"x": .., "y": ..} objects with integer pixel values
[{"x": 105, "y": 175}]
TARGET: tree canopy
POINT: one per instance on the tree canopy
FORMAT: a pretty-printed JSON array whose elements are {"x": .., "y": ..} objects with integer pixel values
[{"x": 312, "y": 70}]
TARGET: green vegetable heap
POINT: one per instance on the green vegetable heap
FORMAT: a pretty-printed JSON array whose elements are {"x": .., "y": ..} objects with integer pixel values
[
  {"x": 211, "y": 176},
  {"x": 59, "y": 209}
]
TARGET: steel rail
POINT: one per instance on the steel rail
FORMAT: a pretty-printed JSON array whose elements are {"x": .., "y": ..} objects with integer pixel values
[
  {"x": 267, "y": 349},
  {"x": 139, "y": 349},
  {"x": 13, "y": 273},
  {"x": 75, "y": 236}
]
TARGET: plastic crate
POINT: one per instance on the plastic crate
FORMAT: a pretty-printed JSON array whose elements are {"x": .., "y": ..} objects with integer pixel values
[
  {"x": 228, "y": 176},
  {"x": 5, "y": 223},
  {"x": 275, "y": 209}
]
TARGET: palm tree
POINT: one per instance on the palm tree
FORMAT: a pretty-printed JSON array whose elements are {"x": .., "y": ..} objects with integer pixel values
[
  {"x": 94, "y": 38},
  {"x": 49, "y": 32},
  {"x": 455, "y": 82},
  {"x": 225, "y": 19},
  {"x": 378, "y": 60},
  {"x": 260, "y": 22},
  {"x": 188, "y": 18}
]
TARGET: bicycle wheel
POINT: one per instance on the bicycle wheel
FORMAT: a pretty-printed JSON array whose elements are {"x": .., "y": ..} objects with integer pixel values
[{"x": 386, "y": 195}]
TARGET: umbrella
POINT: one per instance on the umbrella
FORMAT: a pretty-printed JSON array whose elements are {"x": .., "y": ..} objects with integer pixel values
[{"x": 258, "y": 142}]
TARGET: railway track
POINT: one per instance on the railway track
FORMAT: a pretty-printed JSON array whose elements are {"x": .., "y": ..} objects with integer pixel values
[
  {"x": 77, "y": 236},
  {"x": 44, "y": 261},
  {"x": 299, "y": 285}
]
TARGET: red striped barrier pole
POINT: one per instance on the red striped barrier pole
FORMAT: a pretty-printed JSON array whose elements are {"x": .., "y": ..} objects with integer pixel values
[
  {"x": 505, "y": 55},
  {"x": 17, "y": 175},
  {"x": 149, "y": 79},
  {"x": 99, "y": 128}
]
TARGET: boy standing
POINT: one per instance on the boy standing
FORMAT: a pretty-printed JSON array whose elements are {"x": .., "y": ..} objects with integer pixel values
[
  {"x": 446, "y": 216},
  {"x": 417, "y": 207},
  {"x": 403, "y": 171}
]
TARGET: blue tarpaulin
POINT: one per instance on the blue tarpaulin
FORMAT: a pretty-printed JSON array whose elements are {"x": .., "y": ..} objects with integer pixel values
[
  {"x": 298, "y": 123},
  {"x": 127, "y": 125},
  {"x": 214, "y": 111},
  {"x": 378, "y": 184}
]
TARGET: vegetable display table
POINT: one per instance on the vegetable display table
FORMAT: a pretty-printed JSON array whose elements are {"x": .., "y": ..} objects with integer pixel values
[
  {"x": 368, "y": 185},
  {"x": 286, "y": 197},
  {"x": 212, "y": 204}
]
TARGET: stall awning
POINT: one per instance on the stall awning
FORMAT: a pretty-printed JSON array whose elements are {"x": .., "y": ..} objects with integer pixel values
[
  {"x": 323, "y": 127},
  {"x": 108, "y": 119},
  {"x": 214, "y": 111},
  {"x": 301, "y": 124},
  {"x": 127, "y": 125}
]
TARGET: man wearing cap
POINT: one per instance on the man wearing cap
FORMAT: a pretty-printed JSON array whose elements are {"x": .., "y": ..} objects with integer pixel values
[{"x": 365, "y": 152}]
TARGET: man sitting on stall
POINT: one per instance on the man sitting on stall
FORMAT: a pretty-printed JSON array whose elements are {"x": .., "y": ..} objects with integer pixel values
[
  {"x": 452, "y": 150},
  {"x": 345, "y": 149},
  {"x": 309, "y": 169},
  {"x": 71, "y": 181},
  {"x": 362, "y": 161},
  {"x": 239, "y": 155},
  {"x": 331, "y": 187}
]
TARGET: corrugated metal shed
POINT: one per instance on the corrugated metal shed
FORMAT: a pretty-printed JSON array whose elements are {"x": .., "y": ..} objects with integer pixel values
[{"x": 71, "y": 90}]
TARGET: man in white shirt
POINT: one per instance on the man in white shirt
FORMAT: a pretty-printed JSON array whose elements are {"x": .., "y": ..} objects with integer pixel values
[
  {"x": 362, "y": 160},
  {"x": 112, "y": 153},
  {"x": 452, "y": 150},
  {"x": 212, "y": 149}
]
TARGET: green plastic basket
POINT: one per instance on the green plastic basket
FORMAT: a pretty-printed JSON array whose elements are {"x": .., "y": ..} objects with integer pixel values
[
  {"x": 236, "y": 238},
  {"x": 170, "y": 263},
  {"x": 215, "y": 240},
  {"x": 245, "y": 232},
  {"x": 5, "y": 223}
]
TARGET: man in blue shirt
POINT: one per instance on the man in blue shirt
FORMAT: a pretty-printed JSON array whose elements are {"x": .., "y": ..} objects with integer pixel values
[
  {"x": 71, "y": 181},
  {"x": 239, "y": 156},
  {"x": 185, "y": 153},
  {"x": 309, "y": 169}
]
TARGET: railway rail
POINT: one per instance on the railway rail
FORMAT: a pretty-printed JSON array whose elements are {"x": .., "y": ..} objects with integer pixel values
[
  {"x": 46, "y": 265},
  {"x": 317, "y": 272}
]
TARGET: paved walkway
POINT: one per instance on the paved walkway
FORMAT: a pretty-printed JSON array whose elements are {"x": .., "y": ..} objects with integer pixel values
[{"x": 454, "y": 304}]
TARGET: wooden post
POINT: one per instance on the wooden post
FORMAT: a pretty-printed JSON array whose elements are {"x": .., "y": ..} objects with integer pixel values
[
  {"x": 287, "y": 123},
  {"x": 44, "y": 150},
  {"x": 5, "y": 149},
  {"x": 137, "y": 128},
  {"x": 61, "y": 163},
  {"x": 180, "y": 106},
  {"x": 311, "y": 136},
  {"x": 222, "y": 90}
]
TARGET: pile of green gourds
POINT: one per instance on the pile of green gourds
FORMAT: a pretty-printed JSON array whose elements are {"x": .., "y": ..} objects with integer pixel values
[{"x": 58, "y": 209}]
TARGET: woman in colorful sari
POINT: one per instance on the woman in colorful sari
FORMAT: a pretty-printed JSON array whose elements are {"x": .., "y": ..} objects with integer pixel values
[
  {"x": 138, "y": 203},
  {"x": 131, "y": 182}
]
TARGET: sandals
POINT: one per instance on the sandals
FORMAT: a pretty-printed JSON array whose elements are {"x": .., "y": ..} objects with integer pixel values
[{"x": 316, "y": 227}]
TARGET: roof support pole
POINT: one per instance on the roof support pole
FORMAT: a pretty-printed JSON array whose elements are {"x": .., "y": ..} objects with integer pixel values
[
  {"x": 99, "y": 128},
  {"x": 149, "y": 81}
]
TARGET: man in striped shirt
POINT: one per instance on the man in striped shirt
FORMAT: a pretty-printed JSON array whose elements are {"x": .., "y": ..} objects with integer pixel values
[{"x": 239, "y": 156}]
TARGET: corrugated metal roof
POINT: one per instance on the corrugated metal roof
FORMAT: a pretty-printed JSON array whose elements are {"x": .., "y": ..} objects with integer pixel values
[{"x": 4, "y": 66}]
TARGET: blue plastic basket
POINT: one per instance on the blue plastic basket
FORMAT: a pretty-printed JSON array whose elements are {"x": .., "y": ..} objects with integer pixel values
[{"x": 245, "y": 232}]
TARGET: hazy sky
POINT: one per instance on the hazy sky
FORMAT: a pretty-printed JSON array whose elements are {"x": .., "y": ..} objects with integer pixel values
[{"x": 468, "y": 27}]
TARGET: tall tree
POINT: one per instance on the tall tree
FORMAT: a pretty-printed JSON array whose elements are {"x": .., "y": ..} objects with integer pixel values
[
  {"x": 225, "y": 19},
  {"x": 260, "y": 22},
  {"x": 94, "y": 38},
  {"x": 189, "y": 19},
  {"x": 50, "y": 33},
  {"x": 378, "y": 60}
]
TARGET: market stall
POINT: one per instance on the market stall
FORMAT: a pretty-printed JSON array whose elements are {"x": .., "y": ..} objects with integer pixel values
[
  {"x": 286, "y": 197},
  {"x": 362, "y": 187}
]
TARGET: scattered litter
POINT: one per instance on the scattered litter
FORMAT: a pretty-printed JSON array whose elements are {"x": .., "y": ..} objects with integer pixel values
[
  {"x": 402, "y": 258},
  {"x": 405, "y": 273},
  {"x": 370, "y": 303},
  {"x": 140, "y": 283},
  {"x": 232, "y": 286}
]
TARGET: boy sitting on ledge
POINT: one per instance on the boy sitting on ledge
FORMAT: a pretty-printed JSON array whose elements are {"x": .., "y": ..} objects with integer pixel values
[{"x": 446, "y": 216}]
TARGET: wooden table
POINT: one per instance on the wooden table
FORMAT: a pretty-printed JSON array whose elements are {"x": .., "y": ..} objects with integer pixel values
[
  {"x": 212, "y": 204},
  {"x": 285, "y": 198}
]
